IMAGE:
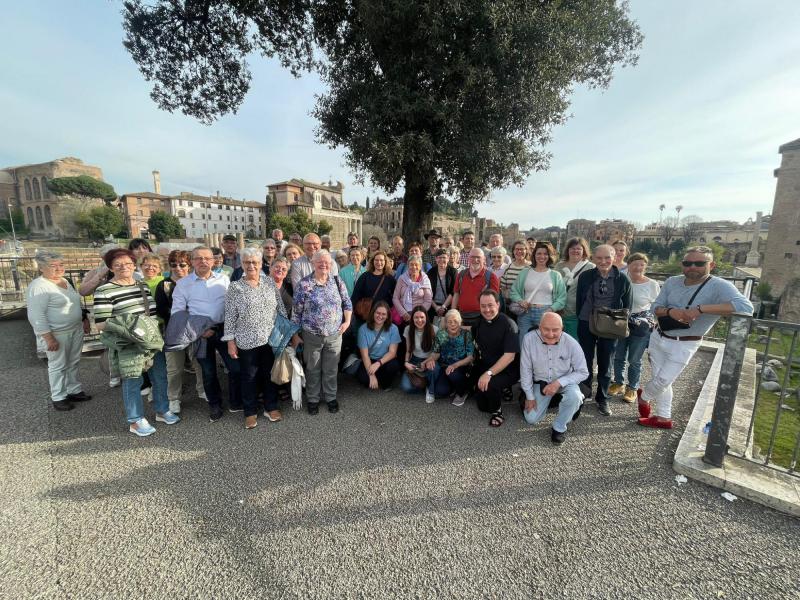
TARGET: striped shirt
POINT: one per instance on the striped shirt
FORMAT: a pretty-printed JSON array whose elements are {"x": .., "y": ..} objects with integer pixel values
[
  {"x": 112, "y": 299},
  {"x": 510, "y": 277}
]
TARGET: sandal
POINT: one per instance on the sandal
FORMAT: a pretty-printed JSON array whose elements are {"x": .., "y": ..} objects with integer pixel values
[{"x": 497, "y": 420}]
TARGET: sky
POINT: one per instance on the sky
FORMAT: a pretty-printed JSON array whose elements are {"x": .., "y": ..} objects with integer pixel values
[{"x": 696, "y": 123}]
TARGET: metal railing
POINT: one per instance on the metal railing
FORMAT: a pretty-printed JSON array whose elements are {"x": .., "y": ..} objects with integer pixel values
[{"x": 772, "y": 435}]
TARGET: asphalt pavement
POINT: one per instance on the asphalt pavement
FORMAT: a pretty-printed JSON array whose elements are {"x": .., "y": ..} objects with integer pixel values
[{"x": 389, "y": 498}]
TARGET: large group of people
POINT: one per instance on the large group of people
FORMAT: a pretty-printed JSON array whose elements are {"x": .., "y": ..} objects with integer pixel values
[{"x": 446, "y": 319}]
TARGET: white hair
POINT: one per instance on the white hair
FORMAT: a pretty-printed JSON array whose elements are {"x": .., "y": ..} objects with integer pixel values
[
  {"x": 319, "y": 254},
  {"x": 252, "y": 252}
]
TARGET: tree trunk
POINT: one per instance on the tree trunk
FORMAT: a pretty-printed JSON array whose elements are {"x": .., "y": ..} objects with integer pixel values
[{"x": 417, "y": 205}]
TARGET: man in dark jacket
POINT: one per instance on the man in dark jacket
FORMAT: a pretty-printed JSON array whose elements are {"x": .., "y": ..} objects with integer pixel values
[{"x": 604, "y": 286}]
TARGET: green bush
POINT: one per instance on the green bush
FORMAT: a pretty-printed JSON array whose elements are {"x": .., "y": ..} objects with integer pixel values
[{"x": 82, "y": 185}]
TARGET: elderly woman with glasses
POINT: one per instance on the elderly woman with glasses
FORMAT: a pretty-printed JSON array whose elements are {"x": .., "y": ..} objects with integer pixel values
[
  {"x": 252, "y": 304},
  {"x": 150, "y": 267},
  {"x": 574, "y": 261},
  {"x": 353, "y": 270},
  {"x": 55, "y": 313},
  {"x": 180, "y": 264},
  {"x": 123, "y": 295},
  {"x": 413, "y": 289},
  {"x": 278, "y": 272}
]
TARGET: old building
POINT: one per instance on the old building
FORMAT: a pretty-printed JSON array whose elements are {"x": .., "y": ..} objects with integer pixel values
[
  {"x": 320, "y": 201},
  {"x": 388, "y": 215},
  {"x": 781, "y": 268},
  {"x": 613, "y": 230},
  {"x": 46, "y": 215},
  {"x": 137, "y": 208},
  {"x": 581, "y": 228}
]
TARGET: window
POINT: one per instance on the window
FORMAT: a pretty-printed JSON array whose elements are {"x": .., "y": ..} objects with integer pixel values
[
  {"x": 180, "y": 202},
  {"x": 203, "y": 216},
  {"x": 191, "y": 216},
  {"x": 39, "y": 220},
  {"x": 48, "y": 218},
  {"x": 140, "y": 213},
  {"x": 45, "y": 189},
  {"x": 215, "y": 226},
  {"x": 219, "y": 206},
  {"x": 181, "y": 213},
  {"x": 220, "y": 217},
  {"x": 31, "y": 222},
  {"x": 190, "y": 203},
  {"x": 227, "y": 207},
  {"x": 28, "y": 195},
  {"x": 797, "y": 243},
  {"x": 229, "y": 217},
  {"x": 787, "y": 255},
  {"x": 37, "y": 194}
]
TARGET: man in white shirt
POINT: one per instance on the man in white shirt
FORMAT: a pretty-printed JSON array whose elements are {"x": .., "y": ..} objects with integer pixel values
[
  {"x": 202, "y": 293},
  {"x": 552, "y": 363},
  {"x": 496, "y": 241},
  {"x": 280, "y": 243},
  {"x": 304, "y": 266}
]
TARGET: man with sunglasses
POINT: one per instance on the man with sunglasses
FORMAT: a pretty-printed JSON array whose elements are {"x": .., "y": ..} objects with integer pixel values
[{"x": 687, "y": 307}]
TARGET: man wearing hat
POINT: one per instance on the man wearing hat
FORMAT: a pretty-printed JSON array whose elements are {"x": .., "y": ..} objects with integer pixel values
[
  {"x": 428, "y": 255},
  {"x": 230, "y": 255}
]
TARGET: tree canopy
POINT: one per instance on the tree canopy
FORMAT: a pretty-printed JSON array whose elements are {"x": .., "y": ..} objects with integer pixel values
[
  {"x": 100, "y": 222},
  {"x": 164, "y": 226},
  {"x": 454, "y": 97},
  {"x": 297, "y": 222},
  {"x": 82, "y": 185}
]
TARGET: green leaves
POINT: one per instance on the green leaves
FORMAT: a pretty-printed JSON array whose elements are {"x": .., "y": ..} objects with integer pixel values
[
  {"x": 82, "y": 185},
  {"x": 100, "y": 222},
  {"x": 164, "y": 226}
]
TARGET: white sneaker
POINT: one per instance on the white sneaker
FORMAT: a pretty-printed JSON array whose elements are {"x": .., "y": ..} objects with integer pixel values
[
  {"x": 142, "y": 428},
  {"x": 203, "y": 396},
  {"x": 175, "y": 406},
  {"x": 459, "y": 400},
  {"x": 429, "y": 397},
  {"x": 114, "y": 382}
]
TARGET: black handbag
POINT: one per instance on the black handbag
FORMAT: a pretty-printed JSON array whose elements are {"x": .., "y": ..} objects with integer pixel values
[{"x": 667, "y": 323}]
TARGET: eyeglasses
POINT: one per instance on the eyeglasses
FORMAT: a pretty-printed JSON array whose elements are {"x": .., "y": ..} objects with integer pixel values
[
  {"x": 181, "y": 265},
  {"x": 254, "y": 263},
  {"x": 694, "y": 263},
  {"x": 128, "y": 265}
]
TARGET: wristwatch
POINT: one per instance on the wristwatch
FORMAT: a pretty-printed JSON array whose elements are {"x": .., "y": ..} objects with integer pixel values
[{"x": 489, "y": 373}]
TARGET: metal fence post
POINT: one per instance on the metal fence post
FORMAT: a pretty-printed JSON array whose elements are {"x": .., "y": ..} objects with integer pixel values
[{"x": 731, "y": 369}]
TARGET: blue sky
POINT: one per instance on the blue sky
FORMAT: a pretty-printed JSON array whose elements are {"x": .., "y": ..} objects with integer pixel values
[{"x": 698, "y": 122}]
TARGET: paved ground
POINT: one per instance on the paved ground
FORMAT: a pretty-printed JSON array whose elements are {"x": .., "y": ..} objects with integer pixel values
[{"x": 390, "y": 498}]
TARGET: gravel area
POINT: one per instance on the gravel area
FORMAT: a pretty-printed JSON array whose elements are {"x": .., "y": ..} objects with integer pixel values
[{"x": 390, "y": 498}]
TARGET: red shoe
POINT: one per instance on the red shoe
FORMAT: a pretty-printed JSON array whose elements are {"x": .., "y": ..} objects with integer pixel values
[
  {"x": 656, "y": 422},
  {"x": 644, "y": 406}
]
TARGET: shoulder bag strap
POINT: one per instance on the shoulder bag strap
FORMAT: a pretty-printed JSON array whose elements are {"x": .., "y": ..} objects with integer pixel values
[
  {"x": 374, "y": 342},
  {"x": 145, "y": 297},
  {"x": 697, "y": 291},
  {"x": 377, "y": 289}
]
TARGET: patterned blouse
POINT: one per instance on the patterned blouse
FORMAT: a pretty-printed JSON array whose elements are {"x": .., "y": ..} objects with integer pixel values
[
  {"x": 319, "y": 309},
  {"x": 452, "y": 349},
  {"x": 250, "y": 312}
]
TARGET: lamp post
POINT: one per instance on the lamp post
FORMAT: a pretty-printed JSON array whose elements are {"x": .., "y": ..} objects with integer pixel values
[{"x": 13, "y": 231}]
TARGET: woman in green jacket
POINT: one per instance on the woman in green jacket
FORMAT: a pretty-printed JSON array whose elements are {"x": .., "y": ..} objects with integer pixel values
[{"x": 538, "y": 289}]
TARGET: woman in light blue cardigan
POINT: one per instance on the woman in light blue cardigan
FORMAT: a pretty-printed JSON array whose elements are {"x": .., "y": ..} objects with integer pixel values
[{"x": 538, "y": 289}]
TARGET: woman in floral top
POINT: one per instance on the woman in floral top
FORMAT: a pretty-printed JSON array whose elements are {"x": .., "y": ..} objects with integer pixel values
[
  {"x": 451, "y": 356},
  {"x": 323, "y": 309}
]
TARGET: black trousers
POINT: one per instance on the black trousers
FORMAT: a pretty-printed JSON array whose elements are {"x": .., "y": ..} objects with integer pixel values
[
  {"x": 604, "y": 349},
  {"x": 491, "y": 400},
  {"x": 385, "y": 374},
  {"x": 256, "y": 369}
]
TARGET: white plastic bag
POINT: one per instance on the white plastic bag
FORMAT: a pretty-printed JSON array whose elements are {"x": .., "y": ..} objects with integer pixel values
[{"x": 298, "y": 379}]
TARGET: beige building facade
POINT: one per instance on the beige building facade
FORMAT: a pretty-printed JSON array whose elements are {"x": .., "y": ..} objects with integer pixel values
[
  {"x": 388, "y": 215},
  {"x": 321, "y": 202},
  {"x": 781, "y": 268},
  {"x": 46, "y": 215}
]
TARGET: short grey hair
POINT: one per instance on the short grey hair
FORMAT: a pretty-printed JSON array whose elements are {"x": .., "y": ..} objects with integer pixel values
[
  {"x": 415, "y": 259},
  {"x": 270, "y": 240},
  {"x": 251, "y": 252},
  {"x": 320, "y": 254},
  {"x": 454, "y": 314},
  {"x": 280, "y": 259},
  {"x": 47, "y": 256},
  {"x": 498, "y": 250},
  {"x": 700, "y": 250}
]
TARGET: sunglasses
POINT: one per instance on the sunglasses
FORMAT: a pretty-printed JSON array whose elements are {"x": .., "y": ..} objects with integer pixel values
[
  {"x": 181, "y": 265},
  {"x": 694, "y": 263}
]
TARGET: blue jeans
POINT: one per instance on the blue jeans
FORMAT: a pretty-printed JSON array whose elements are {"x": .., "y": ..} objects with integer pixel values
[
  {"x": 571, "y": 401},
  {"x": 210, "y": 379},
  {"x": 430, "y": 376},
  {"x": 132, "y": 390},
  {"x": 457, "y": 381},
  {"x": 530, "y": 318},
  {"x": 631, "y": 348}
]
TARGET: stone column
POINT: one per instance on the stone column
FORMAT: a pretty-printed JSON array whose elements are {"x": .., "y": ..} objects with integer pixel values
[
  {"x": 753, "y": 257},
  {"x": 240, "y": 240}
]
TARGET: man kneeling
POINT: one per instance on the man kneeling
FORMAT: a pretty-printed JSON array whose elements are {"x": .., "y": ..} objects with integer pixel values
[{"x": 552, "y": 363}]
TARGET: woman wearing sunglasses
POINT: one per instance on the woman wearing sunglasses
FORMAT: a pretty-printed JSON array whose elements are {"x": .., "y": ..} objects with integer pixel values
[{"x": 179, "y": 267}]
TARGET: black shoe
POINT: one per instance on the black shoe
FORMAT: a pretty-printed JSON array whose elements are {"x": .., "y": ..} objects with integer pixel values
[
  {"x": 313, "y": 408},
  {"x": 235, "y": 409},
  {"x": 79, "y": 397},
  {"x": 557, "y": 437},
  {"x": 602, "y": 408},
  {"x": 63, "y": 405},
  {"x": 215, "y": 414},
  {"x": 578, "y": 412},
  {"x": 333, "y": 407}
]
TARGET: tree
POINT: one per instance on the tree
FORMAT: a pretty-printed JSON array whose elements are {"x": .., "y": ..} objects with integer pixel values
[
  {"x": 323, "y": 227},
  {"x": 668, "y": 228},
  {"x": 20, "y": 228},
  {"x": 82, "y": 185},
  {"x": 453, "y": 97},
  {"x": 297, "y": 222},
  {"x": 165, "y": 226},
  {"x": 100, "y": 221}
]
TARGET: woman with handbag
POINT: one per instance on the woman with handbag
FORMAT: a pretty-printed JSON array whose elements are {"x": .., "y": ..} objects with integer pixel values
[
  {"x": 378, "y": 340},
  {"x": 519, "y": 255},
  {"x": 419, "y": 345},
  {"x": 574, "y": 261},
  {"x": 252, "y": 304},
  {"x": 538, "y": 289},
  {"x": 450, "y": 359},
  {"x": 413, "y": 289},
  {"x": 124, "y": 296},
  {"x": 377, "y": 283},
  {"x": 443, "y": 278},
  {"x": 600, "y": 290},
  {"x": 640, "y": 324}
]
